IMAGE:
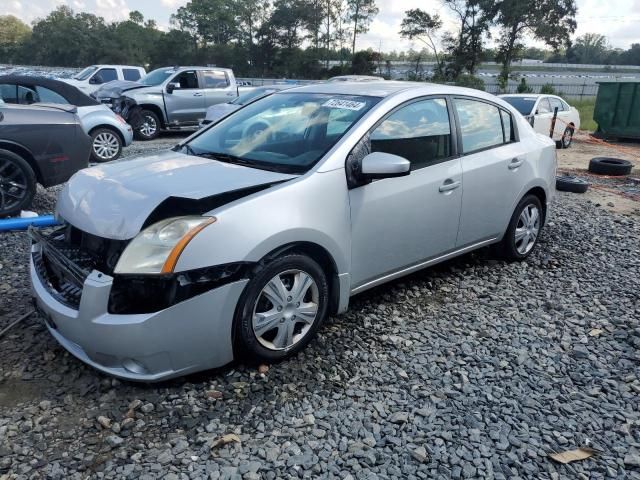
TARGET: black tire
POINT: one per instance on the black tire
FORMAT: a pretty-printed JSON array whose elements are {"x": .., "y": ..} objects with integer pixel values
[
  {"x": 567, "y": 137},
  {"x": 507, "y": 247},
  {"x": 106, "y": 145},
  {"x": 610, "y": 166},
  {"x": 14, "y": 169},
  {"x": 148, "y": 117},
  {"x": 246, "y": 344},
  {"x": 571, "y": 184}
]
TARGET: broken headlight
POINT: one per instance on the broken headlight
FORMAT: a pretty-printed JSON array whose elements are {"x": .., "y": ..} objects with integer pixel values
[{"x": 157, "y": 248}]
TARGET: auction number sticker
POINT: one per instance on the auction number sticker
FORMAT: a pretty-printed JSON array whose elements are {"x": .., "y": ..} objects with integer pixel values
[{"x": 346, "y": 104}]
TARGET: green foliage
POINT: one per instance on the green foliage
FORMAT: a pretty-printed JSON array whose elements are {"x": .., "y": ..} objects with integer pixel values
[
  {"x": 420, "y": 25},
  {"x": 470, "y": 81},
  {"x": 13, "y": 34},
  {"x": 586, "y": 108},
  {"x": 360, "y": 13},
  {"x": 551, "y": 21},
  {"x": 523, "y": 87},
  {"x": 363, "y": 62},
  {"x": 547, "y": 89}
]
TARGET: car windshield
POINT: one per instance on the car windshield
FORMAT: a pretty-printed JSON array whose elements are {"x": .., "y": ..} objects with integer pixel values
[
  {"x": 157, "y": 76},
  {"x": 86, "y": 73},
  {"x": 252, "y": 95},
  {"x": 523, "y": 104},
  {"x": 285, "y": 132}
]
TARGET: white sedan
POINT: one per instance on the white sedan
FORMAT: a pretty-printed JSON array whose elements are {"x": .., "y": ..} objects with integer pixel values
[{"x": 539, "y": 110}]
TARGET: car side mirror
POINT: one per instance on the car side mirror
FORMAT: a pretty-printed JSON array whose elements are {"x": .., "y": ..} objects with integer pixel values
[
  {"x": 384, "y": 165},
  {"x": 172, "y": 86},
  {"x": 95, "y": 80}
]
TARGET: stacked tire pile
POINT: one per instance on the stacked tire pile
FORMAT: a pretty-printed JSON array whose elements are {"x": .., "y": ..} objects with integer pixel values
[{"x": 613, "y": 167}]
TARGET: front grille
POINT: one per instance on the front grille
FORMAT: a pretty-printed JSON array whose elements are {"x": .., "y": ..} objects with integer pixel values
[{"x": 68, "y": 256}]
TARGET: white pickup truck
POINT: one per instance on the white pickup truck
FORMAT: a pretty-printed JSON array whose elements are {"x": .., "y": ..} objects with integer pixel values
[{"x": 90, "y": 79}]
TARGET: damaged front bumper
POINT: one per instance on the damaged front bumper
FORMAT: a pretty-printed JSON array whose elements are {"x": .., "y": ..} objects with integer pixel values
[
  {"x": 192, "y": 335},
  {"x": 127, "y": 108}
]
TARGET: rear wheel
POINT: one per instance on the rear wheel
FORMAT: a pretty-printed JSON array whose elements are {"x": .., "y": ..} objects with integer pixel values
[
  {"x": 524, "y": 229},
  {"x": 149, "y": 127},
  {"x": 17, "y": 184},
  {"x": 105, "y": 145},
  {"x": 281, "y": 308}
]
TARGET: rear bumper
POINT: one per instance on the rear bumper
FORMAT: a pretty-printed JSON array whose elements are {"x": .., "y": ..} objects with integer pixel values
[{"x": 191, "y": 336}]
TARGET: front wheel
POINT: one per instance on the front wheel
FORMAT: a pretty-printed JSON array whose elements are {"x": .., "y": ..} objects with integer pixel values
[
  {"x": 281, "y": 309},
  {"x": 524, "y": 229},
  {"x": 149, "y": 127}
]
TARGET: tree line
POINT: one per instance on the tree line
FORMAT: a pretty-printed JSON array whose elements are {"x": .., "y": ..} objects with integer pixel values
[{"x": 298, "y": 38}]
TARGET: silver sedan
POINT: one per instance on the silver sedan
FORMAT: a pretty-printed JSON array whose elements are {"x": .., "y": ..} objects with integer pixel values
[{"x": 238, "y": 244}]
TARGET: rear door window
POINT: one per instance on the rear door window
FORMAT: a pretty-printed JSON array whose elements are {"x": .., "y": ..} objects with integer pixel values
[
  {"x": 215, "y": 79},
  {"x": 480, "y": 124},
  {"x": 544, "y": 106},
  {"x": 131, "y": 74},
  {"x": 555, "y": 102}
]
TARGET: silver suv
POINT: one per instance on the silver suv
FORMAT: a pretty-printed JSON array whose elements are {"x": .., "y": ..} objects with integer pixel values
[{"x": 170, "y": 98}]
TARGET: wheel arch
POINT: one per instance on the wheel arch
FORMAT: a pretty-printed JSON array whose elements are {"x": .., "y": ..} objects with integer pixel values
[
  {"x": 157, "y": 110},
  {"x": 542, "y": 196},
  {"x": 111, "y": 128},
  {"x": 24, "y": 153},
  {"x": 320, "y": 255}
]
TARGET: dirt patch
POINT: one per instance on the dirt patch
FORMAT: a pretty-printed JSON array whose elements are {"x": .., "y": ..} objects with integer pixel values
[
  {"x": 617, "y": 194},
  {"x": 15, "y": 391}
]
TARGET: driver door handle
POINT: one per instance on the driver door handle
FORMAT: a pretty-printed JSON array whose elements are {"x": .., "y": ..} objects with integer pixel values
[
  {"x": 198, "y": 94},
  {"x": 449, "y": 185}
]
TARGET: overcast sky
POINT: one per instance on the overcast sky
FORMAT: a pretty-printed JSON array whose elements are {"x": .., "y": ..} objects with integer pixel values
[{"x": 619, "y": 20}]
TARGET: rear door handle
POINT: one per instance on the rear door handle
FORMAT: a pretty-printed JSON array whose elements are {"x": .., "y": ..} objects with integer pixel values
[
  {"x": 198, "y": 94},
  {"x": 515, "y": 163},
  {"x": 449, "y": 185}
]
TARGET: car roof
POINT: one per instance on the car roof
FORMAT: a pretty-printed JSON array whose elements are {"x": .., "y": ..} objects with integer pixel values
[
  {"x": 72, "y": 94},
  {"x": 102, "y": 65},
  {"x": 192, "y": 67},
  {"x": 386, "y": 88}
]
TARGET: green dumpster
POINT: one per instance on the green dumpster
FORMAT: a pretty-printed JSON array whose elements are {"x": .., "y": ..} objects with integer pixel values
[{"x": 617, "y": 110}]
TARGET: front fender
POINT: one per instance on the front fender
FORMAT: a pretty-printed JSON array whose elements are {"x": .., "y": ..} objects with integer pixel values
[{"x": 313, "y": 208}]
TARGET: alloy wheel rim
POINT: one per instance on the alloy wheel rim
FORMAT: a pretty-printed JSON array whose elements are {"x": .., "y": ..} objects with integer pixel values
[
  {"x": 149, "y": 126},
  {"x": 106, "y": 145},
  {"x": 527, "y": 229},
  {"x": 566, "y": 139},
  {"x": 13, "y": 185},
  {"x": 285, "y": 310}
]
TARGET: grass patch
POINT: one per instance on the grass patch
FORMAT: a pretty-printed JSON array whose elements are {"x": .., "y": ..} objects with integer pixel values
[{"x": 586, "y": 107}]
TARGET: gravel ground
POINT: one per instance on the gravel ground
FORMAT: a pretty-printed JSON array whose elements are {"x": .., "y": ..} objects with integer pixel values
[{"x": 472, "y": 369}]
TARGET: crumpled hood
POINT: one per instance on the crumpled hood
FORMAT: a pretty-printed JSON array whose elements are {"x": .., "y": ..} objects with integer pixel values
[
  {"x": 114, "y": 200},
  {"x": 116, "y": 88}
]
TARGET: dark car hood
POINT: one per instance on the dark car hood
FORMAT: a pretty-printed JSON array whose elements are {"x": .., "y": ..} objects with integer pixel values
[
  {"x": 116, "y": 88},
  {"x": 114, "y": 201}
]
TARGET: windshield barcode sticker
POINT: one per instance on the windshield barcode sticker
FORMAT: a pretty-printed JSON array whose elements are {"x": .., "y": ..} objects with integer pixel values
[{"x": 346, "y": 104}]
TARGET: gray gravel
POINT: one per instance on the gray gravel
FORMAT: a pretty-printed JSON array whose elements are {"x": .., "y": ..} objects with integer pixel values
[{"x": 472, "y": 369}]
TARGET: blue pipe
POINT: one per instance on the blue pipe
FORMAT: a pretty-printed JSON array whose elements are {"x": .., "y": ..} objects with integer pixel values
[{"x": 8, "y": 224}]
